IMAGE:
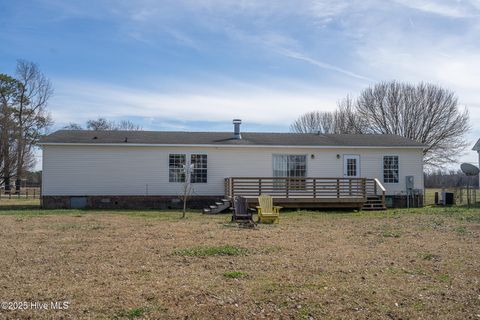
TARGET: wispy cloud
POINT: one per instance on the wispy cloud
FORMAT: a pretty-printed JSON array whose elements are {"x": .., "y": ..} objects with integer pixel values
[
  {"x": 447, "y": 8},
  {"x": 320, "y": 64}
]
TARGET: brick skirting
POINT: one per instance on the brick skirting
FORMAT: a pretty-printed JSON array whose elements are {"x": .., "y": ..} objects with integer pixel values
[{"x": 126, "y": 202}]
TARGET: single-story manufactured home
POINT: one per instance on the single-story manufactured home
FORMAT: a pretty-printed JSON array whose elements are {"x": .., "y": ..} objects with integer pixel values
[{"x": 132, "y": 169}]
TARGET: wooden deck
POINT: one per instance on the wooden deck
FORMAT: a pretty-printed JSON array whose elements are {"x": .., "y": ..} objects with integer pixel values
[{"x": 310, "y": 192}]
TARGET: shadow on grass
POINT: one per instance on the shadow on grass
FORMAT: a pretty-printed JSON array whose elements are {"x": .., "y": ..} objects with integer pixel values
[
  {"x": 20, "y": 207},
  {"x": 35, "y": 210}
]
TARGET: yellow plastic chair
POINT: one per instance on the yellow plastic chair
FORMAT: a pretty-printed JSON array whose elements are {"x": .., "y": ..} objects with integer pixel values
[{"x": 267, "y": 212}]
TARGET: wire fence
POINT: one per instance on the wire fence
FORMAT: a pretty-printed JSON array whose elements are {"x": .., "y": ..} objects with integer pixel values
[
  {"x": 24, "y": 193},
  {"x": 461, "y": 195}
]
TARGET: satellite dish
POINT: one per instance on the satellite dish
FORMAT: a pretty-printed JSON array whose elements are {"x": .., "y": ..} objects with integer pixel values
[{"x": 469, "y": 169}]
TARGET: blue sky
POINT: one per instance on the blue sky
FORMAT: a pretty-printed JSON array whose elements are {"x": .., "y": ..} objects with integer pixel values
[{"x": 195, "y": 65}]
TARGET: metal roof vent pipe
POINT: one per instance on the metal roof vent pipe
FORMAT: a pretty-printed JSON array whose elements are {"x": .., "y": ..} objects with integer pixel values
[{"x": 236, "y": 129}]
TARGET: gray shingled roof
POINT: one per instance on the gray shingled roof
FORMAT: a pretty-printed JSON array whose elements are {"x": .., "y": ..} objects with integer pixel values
[{"x": 226, "y": 138}]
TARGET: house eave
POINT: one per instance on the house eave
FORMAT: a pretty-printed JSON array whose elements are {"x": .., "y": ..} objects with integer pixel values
[{"x": 225, "y": 146}]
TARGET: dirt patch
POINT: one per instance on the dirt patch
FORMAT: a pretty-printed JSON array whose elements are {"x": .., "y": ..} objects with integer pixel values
[{"x": 127, "y": 265}]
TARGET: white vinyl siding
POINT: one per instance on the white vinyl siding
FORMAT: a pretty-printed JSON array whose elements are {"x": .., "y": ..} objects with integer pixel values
[{"x": 120, "y": 170}]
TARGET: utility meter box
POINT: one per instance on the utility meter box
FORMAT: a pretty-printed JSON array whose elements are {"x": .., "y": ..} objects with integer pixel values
[{"x": 409, "y": 183}]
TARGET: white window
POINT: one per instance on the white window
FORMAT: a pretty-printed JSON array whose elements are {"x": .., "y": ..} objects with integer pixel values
[
  {"x": 390, "y": 169},
  {"x": 287, "y": 165},
  {"x": 199, "y": 173},
  {"x": 176, "y": 167},
  {"x": 178, "y": 162}
]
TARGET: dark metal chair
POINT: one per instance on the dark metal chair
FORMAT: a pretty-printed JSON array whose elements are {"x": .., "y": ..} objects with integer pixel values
[{"x": 241, "y": 212}]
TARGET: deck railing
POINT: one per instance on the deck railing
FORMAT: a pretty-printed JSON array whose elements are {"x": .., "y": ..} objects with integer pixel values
[{"x": 314, "y": 188}]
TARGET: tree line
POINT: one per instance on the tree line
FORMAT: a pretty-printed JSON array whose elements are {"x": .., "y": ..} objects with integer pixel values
[
  {"x": 423, "y": 112},
  {"x": 449, "y": 179}
]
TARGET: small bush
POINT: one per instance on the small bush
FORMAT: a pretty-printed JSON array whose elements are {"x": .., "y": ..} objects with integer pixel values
[
  {"x": 234, "y": 274},
  {"x": 211, "y": 251}
]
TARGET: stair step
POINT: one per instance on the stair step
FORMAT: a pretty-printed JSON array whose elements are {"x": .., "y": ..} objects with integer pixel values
[
  {"x": 206, "y": 210},
  {"x": 219, "y": 203},
  {"x": 213, "y": 207}
]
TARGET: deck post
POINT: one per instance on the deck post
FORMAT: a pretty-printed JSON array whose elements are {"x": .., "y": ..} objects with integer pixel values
[
  {"x": 338, "y": 188},
  {"x": 231, "y": 187},
  {"x": 259, "y": 186},
  {"x": 364, "y": 188},
  {"x": 287, "y": 186},
  {"x": 314, "y": 188}
]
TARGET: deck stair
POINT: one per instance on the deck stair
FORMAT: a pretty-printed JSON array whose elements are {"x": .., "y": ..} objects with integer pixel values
[
  {"x": 218, "y": 207},
  {"x": 374, "y": 203}
]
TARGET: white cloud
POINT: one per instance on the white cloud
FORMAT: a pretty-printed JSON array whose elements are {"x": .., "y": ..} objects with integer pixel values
[{"x": 269, "y": 106}]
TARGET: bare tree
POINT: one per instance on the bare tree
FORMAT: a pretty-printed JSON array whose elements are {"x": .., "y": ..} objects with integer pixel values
[
  {"x": 425, "y": 113},
  {"x": 314, "y": 122},
  {"x": 341, "y": 121},
  {"x": 128, "y": 126},
  {"x": 73, "y": 126},
  {"x": 347, "y": 121},
  {"x": 102, "y": 124},
  {"x": 30, "y": 112}
]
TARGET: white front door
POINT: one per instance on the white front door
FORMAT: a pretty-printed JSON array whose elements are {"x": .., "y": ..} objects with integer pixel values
[{"x": 351, "y": 166}]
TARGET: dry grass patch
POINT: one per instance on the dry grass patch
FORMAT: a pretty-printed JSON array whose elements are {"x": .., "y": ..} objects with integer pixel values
[{"x": 154, "y": 265}]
